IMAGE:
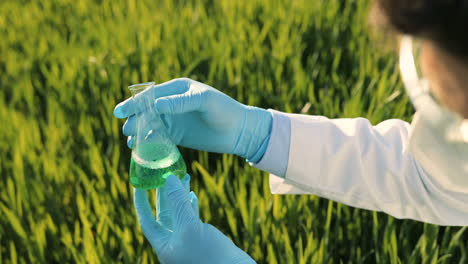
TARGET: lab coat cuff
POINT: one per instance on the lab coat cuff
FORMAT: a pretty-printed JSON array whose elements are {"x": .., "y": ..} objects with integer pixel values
[{"x": 275, "y": 159}]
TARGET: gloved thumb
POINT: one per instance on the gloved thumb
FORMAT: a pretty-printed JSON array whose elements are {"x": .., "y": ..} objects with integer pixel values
[
  {"x": 194, "y": 202},
  {"x": 154, "y": 232},
  {"x": 178, "y": 104},
  {"x": 183, "y": 215}
]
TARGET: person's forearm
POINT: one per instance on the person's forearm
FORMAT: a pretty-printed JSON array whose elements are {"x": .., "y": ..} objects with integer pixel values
[
  {"x": 353, "y": 162},
  {"x": 275, "y": 158}
]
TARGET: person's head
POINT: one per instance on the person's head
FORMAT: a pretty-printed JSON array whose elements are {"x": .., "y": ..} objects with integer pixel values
[{"x": 442, "y": 27}]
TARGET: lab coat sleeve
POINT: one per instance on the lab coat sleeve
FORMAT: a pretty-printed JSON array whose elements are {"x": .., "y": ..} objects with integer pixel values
[{"x": 355, "y": 163}]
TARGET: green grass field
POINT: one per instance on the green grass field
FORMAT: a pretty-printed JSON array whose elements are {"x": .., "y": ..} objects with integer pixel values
[{"x": 64, "y": 64}]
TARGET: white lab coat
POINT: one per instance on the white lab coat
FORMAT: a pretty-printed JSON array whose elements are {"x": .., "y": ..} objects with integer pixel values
[{"x": 365, "y": 166}]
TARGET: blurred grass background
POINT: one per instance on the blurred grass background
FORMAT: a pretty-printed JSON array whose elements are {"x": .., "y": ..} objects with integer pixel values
[{"x": 64, "y": 64}]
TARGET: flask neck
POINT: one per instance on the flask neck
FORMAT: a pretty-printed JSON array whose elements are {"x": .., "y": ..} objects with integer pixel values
[
  {"x": 140, "y": 87},
  {"x": 142, "y": 102}
]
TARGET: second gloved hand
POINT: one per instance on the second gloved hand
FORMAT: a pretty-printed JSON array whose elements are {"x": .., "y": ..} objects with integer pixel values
[
  {"x": 178, "y": 235},
  {"x": 200, "y": 117}
]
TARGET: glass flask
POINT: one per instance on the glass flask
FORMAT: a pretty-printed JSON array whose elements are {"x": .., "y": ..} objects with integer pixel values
[{"x": 154, "y": 155}]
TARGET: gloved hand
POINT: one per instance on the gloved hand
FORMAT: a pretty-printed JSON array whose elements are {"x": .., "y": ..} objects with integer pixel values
[
  {"x": 200, "y": 117},
  {"x": 178, "y": 235}
]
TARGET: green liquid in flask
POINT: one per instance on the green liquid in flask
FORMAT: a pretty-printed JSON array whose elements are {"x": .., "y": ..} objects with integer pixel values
[{"x": 153, "y": 174}]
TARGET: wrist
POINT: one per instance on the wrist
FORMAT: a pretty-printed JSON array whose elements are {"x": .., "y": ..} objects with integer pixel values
[{"x": 255, "y": 133}]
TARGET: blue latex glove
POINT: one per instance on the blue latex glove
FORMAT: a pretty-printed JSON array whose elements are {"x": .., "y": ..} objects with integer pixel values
[
  {"x": 200, "y": 117},
  {"x": 178, "y": 235}
]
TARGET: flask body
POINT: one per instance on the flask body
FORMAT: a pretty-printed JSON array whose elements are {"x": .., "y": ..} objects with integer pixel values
[{"x": 154, "y": 155}]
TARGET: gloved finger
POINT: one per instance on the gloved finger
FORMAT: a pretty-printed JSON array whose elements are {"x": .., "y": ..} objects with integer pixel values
[
  {"x": 194, "y": 202},
  {"x": 124, "y": 109},
  {"x": 186, "y": 182},
  {"x": 128, "y": 107},
  {"x": 182, "y": 213},
  {"x": 180, "y": 103},
  {"x": 152, "y": 230},
  {"x": 130, "y": 140},
  {"x": 163, "y": 208},
  {"x": 129, "y": 128}
]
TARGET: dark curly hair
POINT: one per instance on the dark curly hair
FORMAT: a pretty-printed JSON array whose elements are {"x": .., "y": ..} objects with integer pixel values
[{"x": 444, "y": 22}]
